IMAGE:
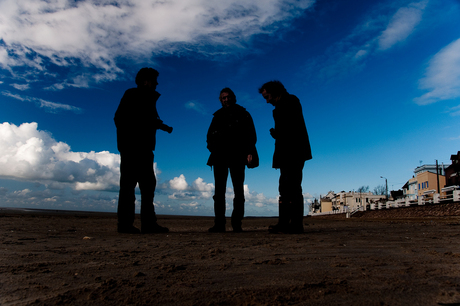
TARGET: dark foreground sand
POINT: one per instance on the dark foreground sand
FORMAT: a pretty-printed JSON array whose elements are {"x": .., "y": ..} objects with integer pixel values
[{"x": 58, "y": 258}]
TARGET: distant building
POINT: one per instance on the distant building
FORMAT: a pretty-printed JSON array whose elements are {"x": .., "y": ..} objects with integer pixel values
[
  {"x": 348, "y": 201},
  {"x": 453, "y": 171},
  {"x": 326, "y": 202},
  {"x": 315, "y": 207},
  {"x": 429, "y": 168},
  {"x": 410, "y": 189},
  {"x": 396, "y": 194},
  {"x": 430, "y": 181},
  {"x": 426, "y": 178}
]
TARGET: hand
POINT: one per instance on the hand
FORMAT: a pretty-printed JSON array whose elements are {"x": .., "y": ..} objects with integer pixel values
[
  {"x": 249, "y": 158},
  {"x": 273, "y": 133},
  {"x": 169, "y": 129}
]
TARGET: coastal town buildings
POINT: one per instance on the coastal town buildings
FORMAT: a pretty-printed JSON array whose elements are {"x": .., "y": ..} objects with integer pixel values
[
  {"x": 452, "y": 172},
  {"x": 431, "y": 183},
  {"x": 426, "y": 178},
  {"x": 348, "y": 201}
]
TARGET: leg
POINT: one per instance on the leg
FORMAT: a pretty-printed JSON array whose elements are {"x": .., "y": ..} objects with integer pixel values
[
  {"x": 220, "y": 181},
  {"x": 237, "y": 175},
  {"x": 126, "y": 198},
  {"x": 291, "y": 205},
  {"x": 147, "y": 185},
  {"x": 293, "y": 191}
]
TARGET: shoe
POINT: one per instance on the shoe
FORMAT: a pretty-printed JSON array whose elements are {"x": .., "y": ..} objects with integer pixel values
[
  {"x": 296, "y": 230},
  {"x": 155, "y": 229},
  {"x": 237, "y": 229},
  {"x": 278, "y": 229},
  {"x": 128, "y": 230},
  {"x": 217, "y": 229}
]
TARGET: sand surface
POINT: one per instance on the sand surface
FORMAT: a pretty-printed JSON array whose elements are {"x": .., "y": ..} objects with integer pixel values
[{"x": 58, "y": 258}]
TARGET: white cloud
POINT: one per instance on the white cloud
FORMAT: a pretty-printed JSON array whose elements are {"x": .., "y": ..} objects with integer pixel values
[
  {"x": 442, "y": 77},
  {"x": 59, "y": 178},
  {"x": 178, "y": 183},
  {"x": 206, "y": 189},
  {"x": 401, "y": 25},
  {"x": 183, "y": 191},
  {"x": 21, "y": 86},
  {"x": 380, "y": 32},
  {"x": 196, "y": 106},
  {"x": 29, "y": 154},
  {"x": 194, "y": 205},
  {"x": 95, "y": 34},
  {"x": 63, "y": 200},
  {"x": 51, "y": 107}
]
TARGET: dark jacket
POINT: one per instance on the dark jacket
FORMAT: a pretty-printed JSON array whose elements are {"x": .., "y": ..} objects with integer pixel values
[
  {"x": 231, "y": 136},
  {"x": 291, "y": 137},
  {"x": 137, "y": 120}
]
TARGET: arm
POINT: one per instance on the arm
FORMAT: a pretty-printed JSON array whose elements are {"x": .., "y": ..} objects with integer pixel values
[{"x": 164, "y": 127}]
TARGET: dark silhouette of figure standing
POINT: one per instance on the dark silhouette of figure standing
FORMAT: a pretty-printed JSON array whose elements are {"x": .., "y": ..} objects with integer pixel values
[
  {"x": 137, "y": 121},
  {"x": 231, "y": 140},
  {"x": 292, "y": 149}
]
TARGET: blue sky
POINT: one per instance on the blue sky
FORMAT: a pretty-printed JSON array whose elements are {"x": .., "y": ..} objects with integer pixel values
[{"x": 379, "y": 82}]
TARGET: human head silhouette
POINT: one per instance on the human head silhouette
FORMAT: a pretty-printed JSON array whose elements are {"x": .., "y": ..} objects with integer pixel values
[
  {"x": 227, "y": 97},
  {"x": 147, "y": 77}
]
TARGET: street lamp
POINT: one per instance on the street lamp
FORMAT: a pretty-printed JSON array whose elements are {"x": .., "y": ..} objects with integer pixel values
[{"x": 386, "y": 186}]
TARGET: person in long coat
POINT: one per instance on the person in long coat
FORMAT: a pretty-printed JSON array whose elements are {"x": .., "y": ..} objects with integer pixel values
[
  {"x": 231, "y": 139},
  {"x": 137, "y": 121},
  {"x": 292, "y": 149}
]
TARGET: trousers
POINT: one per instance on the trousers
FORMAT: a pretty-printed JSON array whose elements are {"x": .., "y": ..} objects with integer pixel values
[
  {"x": 220, "y": 179},
  {"x": 136, "y": 168},
  {"x": 291, "y": 206}
]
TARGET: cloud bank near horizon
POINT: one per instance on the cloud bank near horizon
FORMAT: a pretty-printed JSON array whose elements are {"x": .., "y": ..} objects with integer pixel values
[
  {"x": 31, "y": 155},
  {"x": 97, "y": 34},
  {"x": 27, "y": 153}
]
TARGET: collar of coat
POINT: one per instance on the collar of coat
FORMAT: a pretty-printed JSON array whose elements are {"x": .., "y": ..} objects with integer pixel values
[{"x": 235, "y": 108}]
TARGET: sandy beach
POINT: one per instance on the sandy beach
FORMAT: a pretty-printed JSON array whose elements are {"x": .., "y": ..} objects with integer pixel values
[{"x": 409, "y": 256}]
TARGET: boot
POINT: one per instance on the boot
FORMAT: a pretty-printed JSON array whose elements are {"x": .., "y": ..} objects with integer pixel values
[
  {"x": 219, "y": 212},
  {"x": 237, "y": 214},
  {"x": 127, "y": 229},
  {"x": 297, "y": 211},
  {"x": 283, "y": 219},
  {"x": 219, "y": 226},
  {"x": 154, "y": 228}
]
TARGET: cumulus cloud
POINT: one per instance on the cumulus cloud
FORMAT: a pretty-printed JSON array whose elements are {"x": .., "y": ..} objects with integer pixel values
[
  {"x": 178, "y": 183},
  {"x": 51, "y": 107},
  {"x": 96, "y": 34},
  {"x": 27, "y": 153},
  {"x": 64, "y": 179},
  {"x": 442, "y": 77},
  {"x": 182, "y": 190}
]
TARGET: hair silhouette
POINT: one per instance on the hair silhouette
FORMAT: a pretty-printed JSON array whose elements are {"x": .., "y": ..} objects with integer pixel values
[
  {"x": 276, "y": 88},
  {"x": 146, "y": 74}
]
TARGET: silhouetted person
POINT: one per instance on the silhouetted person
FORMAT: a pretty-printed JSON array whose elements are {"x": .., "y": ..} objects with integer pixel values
[
  {"x": 137, "y": 121},
  {"x": 292, "y": 149},
  {"x": 231, "y": 140}
]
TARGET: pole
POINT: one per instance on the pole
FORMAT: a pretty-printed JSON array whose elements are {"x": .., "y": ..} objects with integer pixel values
[
  {"x": 437, "y": 174},
  {"x": 386, "y": 187}
]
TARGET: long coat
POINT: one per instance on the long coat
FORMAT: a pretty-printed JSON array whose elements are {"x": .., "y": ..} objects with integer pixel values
[
  {"x": 231, "y": 136},
  {"x": 137, "y": 120},
  {"x": 291, "y": 138}
]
